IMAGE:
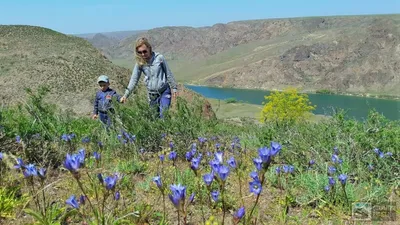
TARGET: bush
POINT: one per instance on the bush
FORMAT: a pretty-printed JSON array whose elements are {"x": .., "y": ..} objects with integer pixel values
[{"x": 286, "y": 106}]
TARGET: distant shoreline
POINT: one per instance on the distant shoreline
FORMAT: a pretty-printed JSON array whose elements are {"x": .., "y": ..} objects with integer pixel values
[{"x": 361, "y": 95}]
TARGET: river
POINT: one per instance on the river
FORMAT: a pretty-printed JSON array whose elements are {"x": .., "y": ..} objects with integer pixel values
[{"x": 357, "y": 107}]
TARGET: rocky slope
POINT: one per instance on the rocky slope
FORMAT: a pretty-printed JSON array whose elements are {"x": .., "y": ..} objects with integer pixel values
[{"x": 358, "y": 54}]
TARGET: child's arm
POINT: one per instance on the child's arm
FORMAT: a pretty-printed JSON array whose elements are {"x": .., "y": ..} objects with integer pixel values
[
  {"x": 117, "y": 96},
  {"x": 96, "y": 106}
]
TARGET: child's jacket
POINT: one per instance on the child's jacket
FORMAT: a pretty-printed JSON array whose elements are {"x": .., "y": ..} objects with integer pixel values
[{"x": 103, "y": 100}]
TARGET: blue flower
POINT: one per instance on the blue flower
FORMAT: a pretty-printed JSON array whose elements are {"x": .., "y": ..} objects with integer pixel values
[
  {"x": 215, "y": 195},
  {"x": 223, "y": 172},
  {"x": 42, "y": 173},
  {"x": 1, "y": 156},
  {"x": 327, "y": 188},
  {"x": 215, "y": 164},
  {"x": 18, "y": 139},
  {"x": 208, "y": 178},
  {"x": 219, "y": 156},
  {"x": 231, "y": 162},
  {"x": 331, "y": 181},
  {"x": 311, "y": 162},
  {"x": 172, "y": 156},
  {"x": 278, "y": 170},
  {"x": 30, "y": 171},
  {"x": 178, "y": 194},
  {"x": 171, "y": 145},
  {"x": 255, "y": 187},
  {"x": 342, "y": 178},
  {"x": 157, "y": 180},
  {"x": 72, "y": 163},
  {"x": 336, "y": 160},
  {"x": 195, "y": 164},
  {"x": 275, "y": 148},
  {"x": 20, "y": 164},
  {"x": 110, "y": 182},
  {"x": 254, "y": 175},
  {"x": 178, "y": 190},
  {"x": 162, "y": 157},
  {"x": 265, "y": 155},
  {"x": 96, "y": 155},
  {"x": 117, "y": 196},
  {"x": 239, "y": 214},
  {"x": 217, "y": 146},
  {"x": 72, "y": 202},
  {"x": 189, "y": 156},
  {"x": 258, "y": 163},
  {"x": 331, "y": 170}
]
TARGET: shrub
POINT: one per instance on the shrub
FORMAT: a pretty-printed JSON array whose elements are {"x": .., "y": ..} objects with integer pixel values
[{"x": 286, "y": 106}]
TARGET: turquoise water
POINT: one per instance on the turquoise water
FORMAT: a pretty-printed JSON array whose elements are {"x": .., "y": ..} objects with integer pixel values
[{"x": 357, "y": 107}]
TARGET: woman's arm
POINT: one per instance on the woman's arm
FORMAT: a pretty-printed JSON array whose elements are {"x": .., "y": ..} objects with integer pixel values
[
  {"x": 133, "y": 81},
  {"x": 170, "y": 77}
]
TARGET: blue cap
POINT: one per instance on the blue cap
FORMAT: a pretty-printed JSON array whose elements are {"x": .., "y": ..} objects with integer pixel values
[{"x": 103, "y": 78}]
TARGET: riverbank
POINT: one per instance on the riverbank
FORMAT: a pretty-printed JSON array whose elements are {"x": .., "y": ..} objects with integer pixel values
[{"x": 224, "y": 109}]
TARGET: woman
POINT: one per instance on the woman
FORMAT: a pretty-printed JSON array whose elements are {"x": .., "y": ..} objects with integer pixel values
[{"x": 158, "y": 79}]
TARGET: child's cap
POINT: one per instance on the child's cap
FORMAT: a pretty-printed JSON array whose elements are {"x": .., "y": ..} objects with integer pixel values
[{"x": 103, "y": 78}]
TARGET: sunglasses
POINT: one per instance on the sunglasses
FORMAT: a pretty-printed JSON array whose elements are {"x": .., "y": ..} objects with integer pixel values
[{"x": 142, "y": 52}]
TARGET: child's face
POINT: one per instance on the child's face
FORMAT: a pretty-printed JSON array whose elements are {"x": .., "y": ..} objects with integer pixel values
[{"x": 103, "y": 85}]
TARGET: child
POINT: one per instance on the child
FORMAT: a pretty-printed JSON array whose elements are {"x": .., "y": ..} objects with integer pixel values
[{"x": 103, "y": 101}]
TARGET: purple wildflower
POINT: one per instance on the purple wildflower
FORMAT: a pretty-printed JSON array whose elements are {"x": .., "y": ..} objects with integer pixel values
[
  {"x": 208, "y": 178},
  {"x": 110, "y": 182},
  {"x": 117, "y": 196},
  {"x": 342, "y": 178},
  {"x": 231, "y": 162},
  {"x": 157, "y": 180},
  {"x": 215, "y": 195},
  {"x": 20, "y": 164},
  {"x": 223, "y": 172},
  {"x": 18, "y": 139},
  {"x": 255, "y": 187},
  {"x": 30, "y": 171},
  {"x": 258, "y": 163},
  {"x": 96, "y": 155},
  {"x": 239, "y": 214},
  {"x": 42, "y": 173},
  {"x": 331, "y": 181},
  {"x": 162, "y": 157},
  {"x": 172, "y": 156},
  {"x": 72, "y": 202}
]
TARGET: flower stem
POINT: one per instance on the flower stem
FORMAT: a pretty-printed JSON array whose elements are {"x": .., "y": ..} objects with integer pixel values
[
  {"x": 258, "y": 197},
  {"x": 87, "y": 197},
  {"x": 201, "y": 199},
  {"x": 223, "y": 203}
]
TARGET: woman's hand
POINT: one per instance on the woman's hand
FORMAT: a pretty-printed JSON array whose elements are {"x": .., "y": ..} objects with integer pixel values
[
  {"x": 94, "y": 116},
  {"x": 123, "y": 99}
]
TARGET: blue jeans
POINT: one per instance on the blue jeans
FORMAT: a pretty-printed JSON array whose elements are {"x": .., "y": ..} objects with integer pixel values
[
  {"x": 105, "y": 119},
  {"x": 161, "y": 101}
]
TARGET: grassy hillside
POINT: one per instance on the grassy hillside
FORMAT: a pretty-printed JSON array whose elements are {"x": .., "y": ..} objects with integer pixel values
[{"x": 34, "y": 56}]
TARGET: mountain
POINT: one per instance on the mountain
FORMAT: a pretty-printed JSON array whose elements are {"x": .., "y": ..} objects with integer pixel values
[
  {"x": 118, "y": 35},
  {"x": 33, "y": 56},
  {"x": 357, "y": 54}
]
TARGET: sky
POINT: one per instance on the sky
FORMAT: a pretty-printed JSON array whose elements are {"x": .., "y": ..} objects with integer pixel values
[{"x": 93, "y": 16}]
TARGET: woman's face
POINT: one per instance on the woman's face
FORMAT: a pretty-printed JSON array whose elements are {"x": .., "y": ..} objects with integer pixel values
[{"x": 144, "y": 52}]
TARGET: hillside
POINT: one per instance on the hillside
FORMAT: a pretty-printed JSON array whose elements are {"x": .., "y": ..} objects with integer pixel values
[
  {"x": 34, "y": 56},
  {"x": 357, "y": 54}
]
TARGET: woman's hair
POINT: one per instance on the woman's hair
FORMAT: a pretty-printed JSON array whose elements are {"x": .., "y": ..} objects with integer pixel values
[{"x": 139, "y": 42}]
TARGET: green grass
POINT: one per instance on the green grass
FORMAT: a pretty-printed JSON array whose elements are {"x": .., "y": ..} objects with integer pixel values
[{"x": 289, "y": 197}]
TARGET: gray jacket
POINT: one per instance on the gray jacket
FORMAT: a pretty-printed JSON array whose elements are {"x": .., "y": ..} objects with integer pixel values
[{"x": 157, "y": 75}]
